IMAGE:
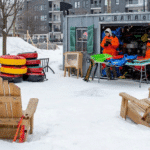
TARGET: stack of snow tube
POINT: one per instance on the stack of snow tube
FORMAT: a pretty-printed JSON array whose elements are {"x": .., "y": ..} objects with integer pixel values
[
  {"x": 34, "y": 70},
  {"x": 12, "y": 68}
]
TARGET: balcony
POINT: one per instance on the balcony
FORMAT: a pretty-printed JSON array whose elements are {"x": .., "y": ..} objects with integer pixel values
[
  {"x": 95, "y": 6},
  {"x": 135, "y": 3},
  {"x": 57, "y": 30},
  {"x": 56, "y": 20},
  {"x": 56, "y": 9}
]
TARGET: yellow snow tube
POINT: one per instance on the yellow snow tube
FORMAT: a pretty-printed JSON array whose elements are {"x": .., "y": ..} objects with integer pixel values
[
  {"x": 12, "y": 60},
  {"x": 13, "y": 69}
]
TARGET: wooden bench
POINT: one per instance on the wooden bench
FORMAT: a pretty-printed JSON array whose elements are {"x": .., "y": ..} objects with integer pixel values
[
  {"x": 137, "y": 110},
  {"x": 11, "y": 111}
]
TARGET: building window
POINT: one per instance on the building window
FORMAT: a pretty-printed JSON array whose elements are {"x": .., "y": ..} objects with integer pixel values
[
  {"x": 43, "y": 7},
  {"x": 117, "y": 11},
  {"x": 44, "y": 18},
  {"x": 133, "y": 1},
  {"x": 117, "y": 2},
  {"x": 105, "y": 2},
  {"x": 91, "y": 1},
  {"x": 87, "y": 3},
  {"x": 81, "y": 39},
  {"x": 36, "y": 8},
  {"x": 76, "y": 4},
  {"x": 83, "y": 4}
]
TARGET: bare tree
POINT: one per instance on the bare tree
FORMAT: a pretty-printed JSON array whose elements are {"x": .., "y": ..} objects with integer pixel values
[
  {"x": 8, "y": 8},
  {"x": 28, "y": 20}
]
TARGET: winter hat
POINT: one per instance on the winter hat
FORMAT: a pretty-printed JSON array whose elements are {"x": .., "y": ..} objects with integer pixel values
[{"x": 108, "y": 30}]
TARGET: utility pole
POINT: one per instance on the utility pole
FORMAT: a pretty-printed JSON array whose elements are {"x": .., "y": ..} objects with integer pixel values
[{"x": 108, "y": 6}]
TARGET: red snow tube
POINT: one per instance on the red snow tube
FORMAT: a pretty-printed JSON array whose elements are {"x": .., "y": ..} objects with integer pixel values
[
  {"x": 35, "y": 69},
  {"x": 12, "y": 60},
  {"x": 11, "y": 77},
  {"x": 29, "y": 55},
  {"x": 34, "y": 77},
  {"x": 33, "y": 62},
  {"x": 35, "y": 74},
  {"x": 116, "y": 57}
]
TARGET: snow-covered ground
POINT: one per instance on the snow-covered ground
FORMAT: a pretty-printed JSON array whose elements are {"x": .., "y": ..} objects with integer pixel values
[{"x": 76, "y": 115}]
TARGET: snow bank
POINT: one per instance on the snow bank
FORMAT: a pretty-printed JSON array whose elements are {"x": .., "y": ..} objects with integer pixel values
[{"x": 76, "y": 115}]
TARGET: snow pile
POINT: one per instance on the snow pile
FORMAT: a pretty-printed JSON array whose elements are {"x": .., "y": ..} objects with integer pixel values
[{"x": 76, "y": 115}]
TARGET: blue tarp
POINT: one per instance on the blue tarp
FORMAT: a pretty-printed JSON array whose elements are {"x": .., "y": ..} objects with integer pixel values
[{"x": 122, "y": 61}]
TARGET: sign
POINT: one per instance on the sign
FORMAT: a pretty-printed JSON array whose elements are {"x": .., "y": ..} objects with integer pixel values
[{"x": 124, "y": 17}]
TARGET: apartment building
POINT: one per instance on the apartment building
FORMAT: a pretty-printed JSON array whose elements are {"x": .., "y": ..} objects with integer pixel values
[
  {"x": 100, "y": 6},
  {"x": 45, "y": 18},
  {"x": 41, "y": 18}
]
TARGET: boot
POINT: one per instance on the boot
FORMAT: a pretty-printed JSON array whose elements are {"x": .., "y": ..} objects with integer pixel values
[
  {"x": 108, "y": 73},
  {"x": 114, "y": 72}
]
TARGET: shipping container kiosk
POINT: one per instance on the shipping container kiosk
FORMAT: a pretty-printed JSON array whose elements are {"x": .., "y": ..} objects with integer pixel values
[{"x": 76, "y": 27}]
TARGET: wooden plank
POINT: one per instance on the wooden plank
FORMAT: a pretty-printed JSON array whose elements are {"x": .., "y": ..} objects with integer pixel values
[
  {"x": 10, "y": 99},
  {"x": 146, "y": 100},
  {"x": 31, "y": 124},
  {"x": 124, "y": 107},
  {"x": 135, "y": 100},
  {"x": 6, "y": 88},
  {"x": 8, "y": 133},
  {"x": 149, "y": 93},
  {"x": 134, "y": 115},
  {"x": 17, "y": 109},
  {"x": 1, "y": 87},
  {"x": 13, "y": 121},
  {"x": 3, "y": 112},
  {"x": 14, "y": 90},
  {"x": 31, "y": 108}
]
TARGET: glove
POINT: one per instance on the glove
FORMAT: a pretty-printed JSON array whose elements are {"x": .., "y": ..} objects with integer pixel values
[{"x": 106, "y": 44}]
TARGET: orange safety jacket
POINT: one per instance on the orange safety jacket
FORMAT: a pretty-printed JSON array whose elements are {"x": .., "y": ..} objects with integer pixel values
[
  {"x": 147, "y": 50},
  {"x": 111, "y": 48}
]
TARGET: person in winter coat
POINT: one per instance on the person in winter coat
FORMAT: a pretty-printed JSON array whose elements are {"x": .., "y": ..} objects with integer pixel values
[
  {"x": 110, "y": 43},
  {"x": 148, "y": 48}
]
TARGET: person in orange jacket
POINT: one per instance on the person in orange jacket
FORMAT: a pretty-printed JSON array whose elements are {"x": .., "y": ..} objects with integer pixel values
[
  {"x": 148, "y": 48},
  {"x": 110, "y": 44}
]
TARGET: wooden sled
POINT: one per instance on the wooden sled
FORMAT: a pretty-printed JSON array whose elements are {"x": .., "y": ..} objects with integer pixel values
[
  {"x": 137, "y": 110},
  {"x": 11, "y": 111}
]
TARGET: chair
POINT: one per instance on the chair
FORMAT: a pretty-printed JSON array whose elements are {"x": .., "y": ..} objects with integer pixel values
[
  {"x": 137, "y": 110},
  {"x": 11, "y": 111}
]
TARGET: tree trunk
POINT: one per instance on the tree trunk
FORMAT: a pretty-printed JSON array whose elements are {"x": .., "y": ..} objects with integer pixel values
[{"x": 4, "y": 42}]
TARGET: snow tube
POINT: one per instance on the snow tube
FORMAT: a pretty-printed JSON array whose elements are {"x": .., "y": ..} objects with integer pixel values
[
  {"x": 34, "y": 69},
  {"x": 13, "y": 69},
  {"x": 100, "y": 57},
  {"x": 34, "y": 77},
  {"x": 12, "y": 60},
  {"x": 33, "y": 62},
  {"x": 29, "y": 55},
  {"x": 11, "y": 78}
]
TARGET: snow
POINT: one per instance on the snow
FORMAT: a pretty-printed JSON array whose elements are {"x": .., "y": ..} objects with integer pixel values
[{"x": 77, "y": 115}]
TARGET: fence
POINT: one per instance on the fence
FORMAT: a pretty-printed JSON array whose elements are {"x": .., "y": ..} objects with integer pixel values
[{"x": 45, "y": 64}]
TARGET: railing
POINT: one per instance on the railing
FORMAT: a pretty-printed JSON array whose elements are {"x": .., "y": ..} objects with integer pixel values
[
  {"x": 95, "y": 5},
  {"x": 56, "y": 9},
  {"x": 45, "y": 64},
  {"x": 56, "y": 20},
  {"x": 57, "y": 30},
  {"x": 132, "y": 2}
]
